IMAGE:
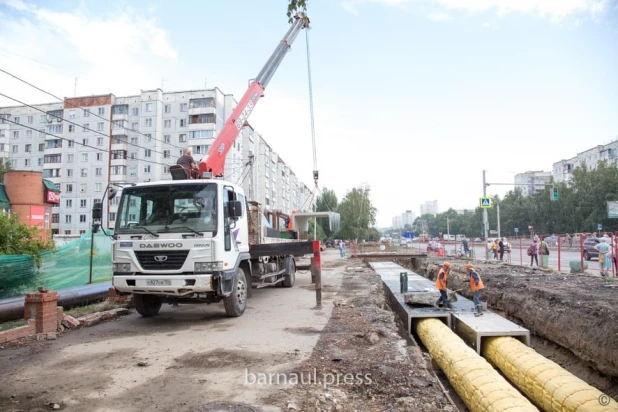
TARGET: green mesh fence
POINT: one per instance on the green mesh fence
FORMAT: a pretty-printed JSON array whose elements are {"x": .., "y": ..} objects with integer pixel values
[{"x": 67, "y": 266}]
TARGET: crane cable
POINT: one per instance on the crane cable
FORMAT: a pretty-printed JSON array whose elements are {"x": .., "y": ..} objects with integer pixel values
[{"x": 315, "y": 161}]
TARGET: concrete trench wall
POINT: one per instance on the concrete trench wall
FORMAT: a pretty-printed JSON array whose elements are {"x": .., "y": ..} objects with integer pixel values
[{"x": 589, "y": 336}]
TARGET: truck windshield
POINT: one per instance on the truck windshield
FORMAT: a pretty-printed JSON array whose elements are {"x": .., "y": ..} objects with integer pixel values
[{"x": 168, "y": 208}]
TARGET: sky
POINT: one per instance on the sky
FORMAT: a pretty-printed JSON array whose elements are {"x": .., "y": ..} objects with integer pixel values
[{"x": 414, "y": 98}]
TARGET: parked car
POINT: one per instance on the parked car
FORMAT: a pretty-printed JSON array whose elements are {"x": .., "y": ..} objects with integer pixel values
[
  {"x": 330, "y": 243},
  {"x": 589, "y": 250}
]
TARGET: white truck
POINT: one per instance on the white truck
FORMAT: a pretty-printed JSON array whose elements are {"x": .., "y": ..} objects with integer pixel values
[{"x": 196, "y": 241}]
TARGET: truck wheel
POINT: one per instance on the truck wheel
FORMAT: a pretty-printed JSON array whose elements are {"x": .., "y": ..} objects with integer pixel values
[
  {"x": 147, "y": 305},
  {"x": 290, "y": 278},
  {"x": 236, "y": 303}
]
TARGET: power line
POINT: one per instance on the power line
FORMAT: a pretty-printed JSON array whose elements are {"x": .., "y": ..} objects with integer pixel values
[
  {"x": 81, "y": 144},
  {"x": 79, "y": 107},
  {"x": 78, "y": 125}
]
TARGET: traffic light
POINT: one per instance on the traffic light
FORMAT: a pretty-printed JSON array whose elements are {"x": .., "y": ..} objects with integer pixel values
[{"x": 553, "y": 193}]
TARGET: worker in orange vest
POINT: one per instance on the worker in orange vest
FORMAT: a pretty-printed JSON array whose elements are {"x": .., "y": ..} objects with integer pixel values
[
  {"x": 476, "y": 287},
  {"x": 441, "y": 283}
]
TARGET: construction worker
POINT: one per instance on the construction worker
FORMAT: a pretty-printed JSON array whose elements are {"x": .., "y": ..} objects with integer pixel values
[
  {"x": 441, "y": 282},
  {"x": 476, "y": 287}
]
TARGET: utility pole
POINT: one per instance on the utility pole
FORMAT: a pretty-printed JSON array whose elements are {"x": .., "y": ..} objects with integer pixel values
[
  {"x": 448, "y": 229},
  {"x": 75, "y": 89},
  {"x": 498, "y": 206},
  {"x": 251, "y": 157},
  {"x": 485, "y": 219}
]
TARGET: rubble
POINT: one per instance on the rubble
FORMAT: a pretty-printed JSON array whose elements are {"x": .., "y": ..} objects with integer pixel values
[{"x": 421, "y": 298}]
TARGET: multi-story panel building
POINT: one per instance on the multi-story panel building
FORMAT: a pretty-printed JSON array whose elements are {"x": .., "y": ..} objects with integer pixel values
[
  {"x": 429, "y": 208},
  {"x": 530, "y": 182},
  {"x": 562, "y": 171},
  {"x": 84, "y": 143},
  {"x": 406, "y": 218}
]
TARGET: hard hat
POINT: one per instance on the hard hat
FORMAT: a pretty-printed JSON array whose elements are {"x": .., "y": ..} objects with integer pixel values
[
  {"x": 469, "y": 266},
  {"x": 447, "y": 265}
]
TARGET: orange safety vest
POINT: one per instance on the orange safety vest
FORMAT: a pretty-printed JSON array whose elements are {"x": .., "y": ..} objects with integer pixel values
[
  {"x": 441, "y": 280},
  {"x": 473, "y": 286}
]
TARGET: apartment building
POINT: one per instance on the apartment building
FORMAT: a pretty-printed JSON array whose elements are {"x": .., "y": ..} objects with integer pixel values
[
  {"x": 406, "y": 218},
  {"x": 563, "y": 170},
  {"x": 83, "y": 143},
  {"x": 429, "y": 208},
  {"x": 268, "y": 179},
  {"x": 531, "y": 181}
]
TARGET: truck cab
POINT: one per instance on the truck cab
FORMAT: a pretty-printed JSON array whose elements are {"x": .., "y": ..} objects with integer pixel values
[{"x": 185, "y": 238}]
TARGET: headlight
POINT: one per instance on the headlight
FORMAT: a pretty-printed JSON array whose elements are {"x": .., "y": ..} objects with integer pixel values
[
  {"x": 121, "y": 267},
  {"x": 202, "y": 267}
]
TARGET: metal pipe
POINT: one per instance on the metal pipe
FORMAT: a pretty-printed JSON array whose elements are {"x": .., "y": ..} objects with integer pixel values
[{"x": 13, "y": 308}]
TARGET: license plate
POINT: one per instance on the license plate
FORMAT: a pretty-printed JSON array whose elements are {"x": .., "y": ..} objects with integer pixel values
[{"x": 158, "y": 282}]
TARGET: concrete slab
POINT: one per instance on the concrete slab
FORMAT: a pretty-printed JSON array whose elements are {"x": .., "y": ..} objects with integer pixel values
[{"x": 473, "y": 329}]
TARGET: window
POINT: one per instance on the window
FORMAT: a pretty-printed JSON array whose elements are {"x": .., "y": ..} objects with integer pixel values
[
  {"x": 28, "y": 148},
  {"x": 67, "y": 232},
  {"x": 68, "y": 188},
  {"x": 168, "y": 108},
  {"x": 67, "y": 219},
  {"x": 134, "y": 126},
  {"x": 112, "y": 216},
  {"x": 148, "y": 138},
  {"x": 133, "y": 155},
  {"x": 83, "y": 202},
  {"x": 40, "y": 161},
  {"x": 42, "y": 133},
  {"x": 148, "y": 107},
  {"x": 17, "y": 120},
  {"x": 55, "y": 158},
  {"x": 204, "y": 102},
  {"x": 97, "y": 187},
  {"x": 135, "y": 111},
  {"x": 16, "y": 134},
  {"x": 70, "y": 157},
  {"x": 101, "y": 111},
  {"x": 100, "y": 126},
  {"x": 43, "y": 118},
  {"x": 133, "y": 171},
  {"x": 98, "y": 171},
  {"x": 69, "y": 203},
  {"x": 182, "y": 138},
  {"x": 86, "y": 112},
  {"x": 27, "y": 162},
  {"x": 55, "y": 218},
  {"x": 203, "y": 118},
  {"x": 69, "y": 172},
  {"x": 99, "y": 156},
  {"x": 28, "y": 133},
  {"x": 84, "y": 173},
  {"x": 14, "y": 163},
  {"x": 71, "y": 143},
  {"x": 14, "y": 148},
  {"x": 85, "y": 127},
  {"x": 167, "y": 123},
  {"x": 147, "y": 169},
  {"x": 82, "y": 218},
  {"x": 71, "y": 114},
  {"x": 166, "y": 138},
  {"x": 84, "y": 157},
  {"x": 30, "y": 119},
  {"x": 53, "y": 128},
  {"x": 148, "y": 122},
  {"x": 82, "y": 232},
  {"x": 166, "y": 154},
  {"x": 83, "y": 187},
  {"x": 147, "y": 153},
  {"x": 183, "y": 122},
  {"x": 183, "y": 107},
  {"x": 84, "y": 142},
  {"x": 50, "y": 173},
  {"x": 99, "y": 141},
  {"x": 71, "y": 128},
  {"x": 54, "y": 144}
]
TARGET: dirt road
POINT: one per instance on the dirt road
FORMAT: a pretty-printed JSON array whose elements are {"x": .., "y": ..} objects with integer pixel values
[{"x": 190, "y": 356}]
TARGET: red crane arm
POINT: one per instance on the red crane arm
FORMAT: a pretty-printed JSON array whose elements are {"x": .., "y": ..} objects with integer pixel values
[{"x": 214, "y": 160}]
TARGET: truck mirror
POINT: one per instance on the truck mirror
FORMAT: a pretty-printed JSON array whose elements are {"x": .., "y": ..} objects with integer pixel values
[
  {"x": 97, "y": 210},
  {"x": 112, "y": 193},
  {"x": 235, "y": 209}
]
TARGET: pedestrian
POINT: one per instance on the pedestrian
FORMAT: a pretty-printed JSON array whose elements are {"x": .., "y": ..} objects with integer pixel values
[
  {"x": 570, "y": 240},
  {"x": 501, "y": 249},
  {"x": 476, "y": 287},
  {"x": 544, "y": 252},
  {"x": 533, "y": 250},
  {"x": 342, "y": 249},
  {"x": 605, "y": 261},
  {"x": 441, "y": 284},
  {"x": 464, "y": 243},
  {"x": 494, "y": 248}
]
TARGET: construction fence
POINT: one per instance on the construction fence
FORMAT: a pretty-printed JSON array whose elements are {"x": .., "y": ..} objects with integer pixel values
[{"x": 66, "y": 266}]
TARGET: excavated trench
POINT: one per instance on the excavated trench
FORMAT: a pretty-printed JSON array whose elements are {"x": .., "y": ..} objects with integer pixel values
[{"x": 573, "y": 320}]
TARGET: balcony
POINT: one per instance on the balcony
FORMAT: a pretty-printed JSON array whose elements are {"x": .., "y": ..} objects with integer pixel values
[
  {"x": 120, "y": 117},
  {"x": 205, "y": 105},
  {"x": 120, "y": 146},
  {"x": 202, "y": 126},
  {"x": 120, "y": 112},
  {"x": 119, "y": 131}
]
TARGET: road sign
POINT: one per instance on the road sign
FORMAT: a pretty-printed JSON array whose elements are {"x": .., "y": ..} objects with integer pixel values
[
  {"x": 553, "y": 193},
  {"x": 599, "y": 227},
  {"x": 493, "y": 232},
  {"x": 612, "y": 209},
  {"x": 516, "y": 230},
  {"x": 486, "y": 202}
]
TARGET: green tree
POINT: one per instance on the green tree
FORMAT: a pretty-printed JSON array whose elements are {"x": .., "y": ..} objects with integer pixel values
[
  {"x": 357, "y": 214},
  {"x": 326, "y": 202},
  {"x": 17, "y": 238},
  {"x": 5, "y": 166},
  {"x": 296, "y": 6}
]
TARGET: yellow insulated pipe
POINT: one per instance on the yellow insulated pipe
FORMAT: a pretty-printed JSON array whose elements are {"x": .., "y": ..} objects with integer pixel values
[
  {"x": 550, "y": 386},
  {"x": 480, "y": 386}
]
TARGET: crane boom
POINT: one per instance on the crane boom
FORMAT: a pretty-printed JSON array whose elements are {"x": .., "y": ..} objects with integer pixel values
[{"x": 214, "y": 160}]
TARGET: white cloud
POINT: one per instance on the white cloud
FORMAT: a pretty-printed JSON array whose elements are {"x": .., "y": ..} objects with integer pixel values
[
  {"x": 439, "y": 17},
  {"x": 552, "y": 9},
  {"x": 119, "y": 53}
]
